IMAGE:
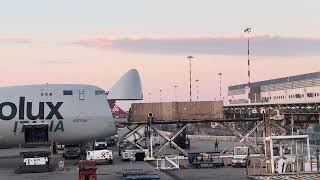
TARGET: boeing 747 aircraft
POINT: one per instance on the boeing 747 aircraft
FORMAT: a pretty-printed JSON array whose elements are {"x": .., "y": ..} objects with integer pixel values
[{"x": 63, "y": 113}]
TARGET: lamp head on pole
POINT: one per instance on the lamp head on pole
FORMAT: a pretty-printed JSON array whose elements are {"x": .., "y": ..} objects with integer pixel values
[
  {"x": 248, "y": 30},
  {"x": 190, "y": 57}
]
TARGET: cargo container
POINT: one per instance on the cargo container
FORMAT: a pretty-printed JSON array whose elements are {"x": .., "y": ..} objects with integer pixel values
[{"x": 173, "y": 111}]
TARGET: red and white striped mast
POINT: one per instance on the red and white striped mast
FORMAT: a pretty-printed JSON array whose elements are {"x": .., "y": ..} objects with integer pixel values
[
  {"x": 248, "y": 30},
  {"x": 190, "y": 79}
]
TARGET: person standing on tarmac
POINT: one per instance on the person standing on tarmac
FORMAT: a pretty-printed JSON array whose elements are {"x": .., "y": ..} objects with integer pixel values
[{"x": 216, "y": 145}]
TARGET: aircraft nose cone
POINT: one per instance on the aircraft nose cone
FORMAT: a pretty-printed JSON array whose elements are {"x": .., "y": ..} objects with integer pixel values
[{"x": 127, "y": 88}]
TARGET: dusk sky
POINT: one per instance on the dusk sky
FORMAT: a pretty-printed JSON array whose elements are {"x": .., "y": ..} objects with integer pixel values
[{"x": 95, "y": 42}]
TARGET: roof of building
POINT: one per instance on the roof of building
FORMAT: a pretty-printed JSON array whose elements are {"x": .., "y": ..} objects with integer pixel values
[{"x": 277, "y": 80}]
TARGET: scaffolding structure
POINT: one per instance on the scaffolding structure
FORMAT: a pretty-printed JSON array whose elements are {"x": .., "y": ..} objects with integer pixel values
[
  {"x": 271, "y": 119},
  {"x": 140, "y": 135}
]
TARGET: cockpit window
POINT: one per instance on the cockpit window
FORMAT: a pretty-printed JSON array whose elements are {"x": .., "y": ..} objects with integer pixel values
[
  {"x": 67, "y": 92},
  {"x": 98, "y": 92}
]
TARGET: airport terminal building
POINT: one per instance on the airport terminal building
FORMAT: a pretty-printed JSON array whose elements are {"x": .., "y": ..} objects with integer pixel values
[{"x": 303, "y": 88}]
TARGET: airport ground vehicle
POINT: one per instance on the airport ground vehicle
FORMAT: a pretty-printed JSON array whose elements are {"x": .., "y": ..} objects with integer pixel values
[
  {"x": 204, "y": 159},
  {"x": 100, "y": 156},
  {"x": 87, "y": 170},
  {"x": 240, "y": 155},
  {"x": 100, "y": 144},
  {"x": 71, "y": 151},
  {"x": 182, "y": 140},
  {"x": 135, "y": 154},
  {"x": 111, "y": 142},
  {"x": 60, "y": 147},
  {"x": 35, "y": 162}
]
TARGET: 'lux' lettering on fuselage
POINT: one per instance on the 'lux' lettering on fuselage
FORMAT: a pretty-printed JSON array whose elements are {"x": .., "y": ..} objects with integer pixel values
[{"x": 20, "y": 110}]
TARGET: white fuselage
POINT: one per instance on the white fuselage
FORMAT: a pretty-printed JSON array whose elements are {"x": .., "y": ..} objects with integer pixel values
[{"x": 74, "y": 113}]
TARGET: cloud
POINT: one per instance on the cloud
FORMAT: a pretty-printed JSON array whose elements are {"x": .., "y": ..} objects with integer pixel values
[
  {"x": 15, "y": 40},
  {"x": 56, "y": 62},
  {"x": 260, "y": 45}
]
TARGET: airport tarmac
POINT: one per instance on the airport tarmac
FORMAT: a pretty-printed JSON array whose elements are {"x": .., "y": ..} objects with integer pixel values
[{"x": 114, "y": 171}]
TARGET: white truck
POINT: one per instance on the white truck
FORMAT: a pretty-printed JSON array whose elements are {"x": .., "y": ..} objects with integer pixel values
[
  {"x": 240, "y": 157},
  {"x": 100, "y": 156}
]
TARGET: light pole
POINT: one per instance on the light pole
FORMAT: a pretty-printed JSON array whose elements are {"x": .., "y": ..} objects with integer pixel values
[
  {"x": 175, "y": 92},
  {"x": 149, "y": 96},
  {"x": 160, "y": 94},
  {"x": 220, "y": 77},
  {"x": 248, "y": 30},
  {"x": 190, "y": 93},
  {"x": 197, "y": 86}
]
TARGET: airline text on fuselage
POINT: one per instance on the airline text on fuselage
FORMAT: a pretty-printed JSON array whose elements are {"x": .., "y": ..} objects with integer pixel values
[{"x": 20, "y": 110}]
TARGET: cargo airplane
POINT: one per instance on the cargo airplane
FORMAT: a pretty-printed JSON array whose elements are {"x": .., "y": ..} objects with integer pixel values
[{"x": 62, "y": 113}]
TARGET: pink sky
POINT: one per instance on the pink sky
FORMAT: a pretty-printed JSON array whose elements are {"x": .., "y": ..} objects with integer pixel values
[
  {"x": 95, "y": 42},
  {"x": 33, "y": 63}
]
